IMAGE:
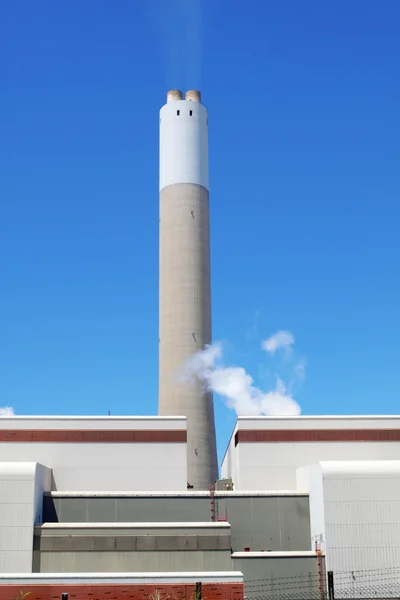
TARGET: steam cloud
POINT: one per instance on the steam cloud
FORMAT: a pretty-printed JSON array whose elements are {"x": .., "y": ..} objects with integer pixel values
[
  {"x": 280, "y": 339},
  {"x": 6, "y": 411},
  {"x": 237, "y": 387},
  {"x": 179, "y": 25}
]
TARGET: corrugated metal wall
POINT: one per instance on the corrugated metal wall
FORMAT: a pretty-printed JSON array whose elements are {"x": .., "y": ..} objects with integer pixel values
[
  {"x": 294, "y": 577},
  {"x": 120, "y": 562},
  {"x": 258, "y": 523}
]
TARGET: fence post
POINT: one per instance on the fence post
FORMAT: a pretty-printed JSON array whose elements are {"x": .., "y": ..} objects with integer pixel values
[
  {"x": 199, "y": 591},
  {"x": 331, "y": 586}
]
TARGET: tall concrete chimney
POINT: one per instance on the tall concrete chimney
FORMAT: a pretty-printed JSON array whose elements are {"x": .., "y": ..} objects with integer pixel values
[{"x": 185, "y": 294}]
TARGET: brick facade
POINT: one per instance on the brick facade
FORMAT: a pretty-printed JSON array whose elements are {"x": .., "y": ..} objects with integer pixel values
[{"x": 210, "y": 591}]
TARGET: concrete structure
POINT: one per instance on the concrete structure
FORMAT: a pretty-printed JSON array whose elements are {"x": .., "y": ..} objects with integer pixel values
[
  {"x": 106, "y": 453},
  {"x": 185, "y": 290},
  {"x": 119, "y": 586},
  {"x": 264, "y": 453}
]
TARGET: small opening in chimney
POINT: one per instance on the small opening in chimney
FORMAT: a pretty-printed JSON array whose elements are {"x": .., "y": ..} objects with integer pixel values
[
  {"x": 190, "y": 112},
  {"x": 178, "y": 112}
]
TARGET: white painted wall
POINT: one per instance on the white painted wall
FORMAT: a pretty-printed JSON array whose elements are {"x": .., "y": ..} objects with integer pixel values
[
  {"x": 183, "y": 143},
  {"x": 273, "y": 466},
  {"x": 103, "y": 466},
  {"x": 230, "y": 464},
  {"x": 310, "y": 479},
  {"x": 21, "y": 498},
  {"x": 360, "y": 502}
]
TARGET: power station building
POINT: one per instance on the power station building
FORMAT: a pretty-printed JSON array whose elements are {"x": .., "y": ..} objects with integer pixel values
[
  {"x": 132, "y": 507},
  {"x": 86, "y": 497}
]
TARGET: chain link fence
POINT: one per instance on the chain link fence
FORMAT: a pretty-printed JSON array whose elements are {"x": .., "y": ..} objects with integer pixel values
[
  {"x": 373, "y": 584},
  {"x": 365, "y": 584},
  {"x": 304, "y": 587}
]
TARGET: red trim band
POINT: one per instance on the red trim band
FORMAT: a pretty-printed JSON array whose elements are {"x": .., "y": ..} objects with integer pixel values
[
  {"x": 94, "y": 436},
  {"x": 316, "y": 435}
]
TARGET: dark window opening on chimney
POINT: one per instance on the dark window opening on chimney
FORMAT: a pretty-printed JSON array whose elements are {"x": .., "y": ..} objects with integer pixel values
[
  {"x": 190, "y": 112},
  {"x": 178, "y": 112}
]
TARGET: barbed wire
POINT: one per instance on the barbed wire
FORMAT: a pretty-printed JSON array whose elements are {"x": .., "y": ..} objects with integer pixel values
[{"x": 357, "y": 584}]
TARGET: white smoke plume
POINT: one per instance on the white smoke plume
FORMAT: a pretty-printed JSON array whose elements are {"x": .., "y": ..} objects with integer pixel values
[
  {"x": 6, "y": 411},
  {"x": 179, "y": 26},
  {"x": 237, "y": 387},
  {"x": 280, "y": 340}
]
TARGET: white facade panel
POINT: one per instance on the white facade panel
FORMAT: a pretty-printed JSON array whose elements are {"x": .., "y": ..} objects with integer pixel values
[
  {"x": 229, "y": 467},
  {"x": 106, "y": 466},
  {"x": 19, "y": 561},
  {"x": 21, "y": 498},
  {"x": 309, "y": 478},
  {"x": 183, "y": 144},
  {"x": 360, "y": 502},
  {"x": 101, "y": 466},
  {"x": 273, "y": 465}
]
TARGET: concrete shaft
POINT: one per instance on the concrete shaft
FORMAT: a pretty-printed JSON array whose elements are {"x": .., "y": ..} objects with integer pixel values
[{"x": 185, "y": 320}]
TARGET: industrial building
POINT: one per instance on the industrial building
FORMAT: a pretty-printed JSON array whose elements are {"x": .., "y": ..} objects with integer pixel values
[
  {"x": 130, "y": 506},
  {"x": 301, "y": 495}
]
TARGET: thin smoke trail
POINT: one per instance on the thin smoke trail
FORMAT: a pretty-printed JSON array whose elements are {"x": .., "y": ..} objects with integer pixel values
[{"x": 179, "y": 28}]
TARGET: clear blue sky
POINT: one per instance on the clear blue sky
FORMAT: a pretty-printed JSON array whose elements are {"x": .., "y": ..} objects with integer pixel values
[{"x": 304, "y": 103}]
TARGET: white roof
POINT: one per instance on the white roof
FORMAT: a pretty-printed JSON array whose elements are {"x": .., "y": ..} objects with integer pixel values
[
  {"x": 178, "y": 494},
  {"x": 114, "y": 578},
  {"x": 318, "y": 417},
  {"x": 18, "y": 469},
  {"x": 361, "y": 467},
  {"x": 266, "y": 554},
  {"x": 169, "y": 525},
  {"x": 91, "y": 418}
]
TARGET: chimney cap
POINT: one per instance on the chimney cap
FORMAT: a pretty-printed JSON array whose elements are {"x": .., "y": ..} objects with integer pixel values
[
  {"x": 193, "y": 95},
  {"x": 174, "y": 95}
]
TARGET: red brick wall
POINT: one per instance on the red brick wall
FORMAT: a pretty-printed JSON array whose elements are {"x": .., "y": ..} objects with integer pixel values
[{"x": 211, "y": 591}]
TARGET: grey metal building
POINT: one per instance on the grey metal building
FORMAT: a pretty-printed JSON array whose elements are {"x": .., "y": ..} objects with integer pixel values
[{"x": 264, "y": 535}]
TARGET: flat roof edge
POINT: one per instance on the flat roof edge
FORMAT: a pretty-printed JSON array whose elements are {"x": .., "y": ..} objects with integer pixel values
[
  {"x": 133, "y": 525},
  {"x": 177, "y": 494},
  {"x": 212, "y": 576},
  {"x": 316, "y": 417},
  {"x": 92, "y": 418},
  {"x": 288, "y": 554}
]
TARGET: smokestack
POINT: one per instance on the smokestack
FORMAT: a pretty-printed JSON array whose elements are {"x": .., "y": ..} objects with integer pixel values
[{"x": 185, "y": 290}]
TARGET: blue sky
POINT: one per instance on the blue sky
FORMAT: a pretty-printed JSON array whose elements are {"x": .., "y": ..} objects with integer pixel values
[{"x": 303, "y": 103}]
